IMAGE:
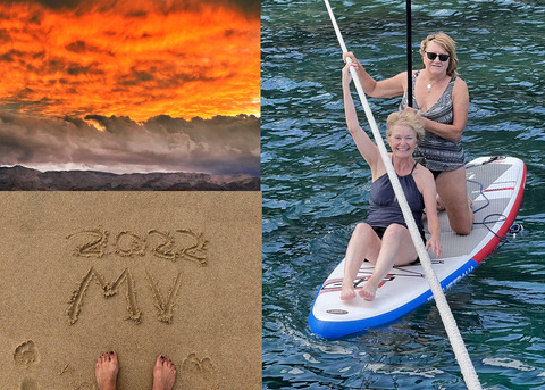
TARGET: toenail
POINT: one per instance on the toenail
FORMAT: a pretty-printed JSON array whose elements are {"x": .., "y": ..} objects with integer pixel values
[{"x": 112, "y": 352}]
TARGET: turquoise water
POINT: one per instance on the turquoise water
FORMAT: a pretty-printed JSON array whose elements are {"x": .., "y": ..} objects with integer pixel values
[{"x": 315, "y": 189}]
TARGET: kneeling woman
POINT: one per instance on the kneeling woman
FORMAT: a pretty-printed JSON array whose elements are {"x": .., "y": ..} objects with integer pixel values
[{"x": 385, "y": 240}]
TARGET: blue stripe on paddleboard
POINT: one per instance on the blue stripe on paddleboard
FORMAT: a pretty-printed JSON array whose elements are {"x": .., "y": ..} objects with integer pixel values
[{"x": 331, "y": 330}]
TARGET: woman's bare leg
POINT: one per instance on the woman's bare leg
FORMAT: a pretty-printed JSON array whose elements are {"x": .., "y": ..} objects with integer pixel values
[
  {"x": 452, "y": 189},
  {"x": 364, "y": 244},
  {"x": 397, "y": 248}
]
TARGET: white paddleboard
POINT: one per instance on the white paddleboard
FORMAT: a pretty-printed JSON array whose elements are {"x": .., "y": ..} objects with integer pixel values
[{"x": 495, "y": 185}]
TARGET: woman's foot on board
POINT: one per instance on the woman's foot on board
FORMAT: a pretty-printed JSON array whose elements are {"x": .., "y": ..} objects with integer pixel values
[
  {"x": 164, "y": 374},
  {"x": 106, "y": 370},
  {"x": 347, "y": 292},
  {"x": 368, "y": 291}
]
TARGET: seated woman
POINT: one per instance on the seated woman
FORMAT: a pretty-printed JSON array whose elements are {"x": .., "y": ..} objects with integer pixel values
[{"x": 385, "y": 240}]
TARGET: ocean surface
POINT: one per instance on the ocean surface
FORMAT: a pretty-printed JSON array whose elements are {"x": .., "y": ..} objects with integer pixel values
[{"x": 316, "y": 188}]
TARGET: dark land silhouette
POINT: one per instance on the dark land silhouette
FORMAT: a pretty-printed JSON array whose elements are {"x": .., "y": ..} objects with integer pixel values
[{"x": 19, "y": 178}]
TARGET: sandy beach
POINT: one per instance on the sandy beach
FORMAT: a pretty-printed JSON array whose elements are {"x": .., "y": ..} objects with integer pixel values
[{"x": 144, "y": 274}]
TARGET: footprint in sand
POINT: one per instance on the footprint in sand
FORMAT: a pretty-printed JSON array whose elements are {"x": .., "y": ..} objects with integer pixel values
[
  {"x": 26, "y": 354},
  {"x": 29, "y": 384},
  {"x": 199, "y": 374}
]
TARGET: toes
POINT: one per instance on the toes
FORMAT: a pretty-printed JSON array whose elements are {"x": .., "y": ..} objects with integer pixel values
[
  {"x": 110, "y": 356},
  {"x": 368, "y": 296},
  {"x": 348, "y": 295},
  {"x": 166, "y": 362}
]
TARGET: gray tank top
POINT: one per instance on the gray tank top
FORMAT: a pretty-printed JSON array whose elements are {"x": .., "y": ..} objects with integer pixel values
[
  {"x": 384, "y": 208},
  {"x": 435, "y": 152}
]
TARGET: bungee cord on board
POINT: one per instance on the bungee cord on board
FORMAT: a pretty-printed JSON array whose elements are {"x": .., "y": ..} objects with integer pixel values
[
  {"x": 460, "y": 351},
  {"x": 514, "y": 229}
]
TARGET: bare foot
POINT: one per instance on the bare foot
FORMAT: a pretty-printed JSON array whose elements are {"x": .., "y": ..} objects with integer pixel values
[
  {"x": 348, "y": 292},
  {"x": 164, "y": 374},
  {"x": 106, "y": 371},
  {"x": 368, "y": 291}
]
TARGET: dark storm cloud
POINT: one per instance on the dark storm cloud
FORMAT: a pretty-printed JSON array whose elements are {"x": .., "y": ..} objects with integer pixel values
[
  {"x": 84, "y": 47},
  {"x": 12, "y": 55},
  {"x": 168, "y": 78},
  {"x": 77, "y": 69},
  {"x": 53, "y": 65},
  {"x": 4, "y": 36},
  {"x": 217, "y": 145},
  {"x": 248, "y": 7}
]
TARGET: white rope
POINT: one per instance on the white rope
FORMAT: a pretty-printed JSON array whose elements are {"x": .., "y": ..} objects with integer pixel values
[{"x": 460, "y": 352}]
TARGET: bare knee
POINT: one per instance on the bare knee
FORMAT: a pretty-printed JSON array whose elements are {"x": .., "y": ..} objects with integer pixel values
[
  {"x": 364, "y": 243},
  {"x": 362, "y": 235},
  {"x": 462, "y": 228},
  {"x": 361, "y": 231},
  {"x": 394, "y": 231},
  {"x": 461, "y": 218}
]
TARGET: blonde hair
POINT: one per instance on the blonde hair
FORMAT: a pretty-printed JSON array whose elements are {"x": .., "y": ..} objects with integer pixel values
[
  {"x": 406, "y": 118},
  {"x": 448, "y": 44}
]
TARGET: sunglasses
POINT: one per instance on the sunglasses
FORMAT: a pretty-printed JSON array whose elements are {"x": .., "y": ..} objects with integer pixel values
[{"x": 432, "y": 56}]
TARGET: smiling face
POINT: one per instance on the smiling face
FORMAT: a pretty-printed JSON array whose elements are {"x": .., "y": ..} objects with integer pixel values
[
  {"x": 436, "y": 66},
  {"x": 402, "y": 141},
  {"x": 440, "y": 43}
]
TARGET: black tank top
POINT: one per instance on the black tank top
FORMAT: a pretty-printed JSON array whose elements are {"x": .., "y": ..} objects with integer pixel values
[{"x": 384, "y": 208}]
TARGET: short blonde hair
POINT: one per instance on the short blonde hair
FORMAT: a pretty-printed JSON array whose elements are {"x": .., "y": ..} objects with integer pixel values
[
  {"x": 406, "y": 118},
  {"x": 448, "y": 44}
]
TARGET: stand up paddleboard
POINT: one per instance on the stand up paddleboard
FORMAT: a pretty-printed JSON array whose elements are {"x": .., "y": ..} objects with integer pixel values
[{"x": 495, "y": 185}]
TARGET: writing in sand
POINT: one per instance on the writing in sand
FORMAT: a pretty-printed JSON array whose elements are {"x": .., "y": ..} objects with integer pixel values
[{"x": 96, "y": 243}]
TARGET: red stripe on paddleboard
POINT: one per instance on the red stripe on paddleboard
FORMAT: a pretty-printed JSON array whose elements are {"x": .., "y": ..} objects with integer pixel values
[
  {"x": 489, "y": 247},
  {"x": 500, "y": 189}
]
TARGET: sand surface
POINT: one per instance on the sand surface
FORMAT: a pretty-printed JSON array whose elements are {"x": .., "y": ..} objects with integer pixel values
[{"x": 145, "y": 274}]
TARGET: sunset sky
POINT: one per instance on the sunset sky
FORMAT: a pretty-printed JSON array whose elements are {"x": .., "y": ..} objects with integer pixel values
[{"x": 84, "y": 80}]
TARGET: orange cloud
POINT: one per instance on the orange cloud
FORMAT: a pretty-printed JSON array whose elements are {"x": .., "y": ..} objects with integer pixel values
[{"x": 137, "y": 58}]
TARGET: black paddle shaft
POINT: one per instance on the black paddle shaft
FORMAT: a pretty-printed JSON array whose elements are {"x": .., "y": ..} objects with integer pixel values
[{"x": 409, "y": 54}]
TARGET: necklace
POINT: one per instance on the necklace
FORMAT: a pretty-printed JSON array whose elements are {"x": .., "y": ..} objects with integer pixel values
[{"x": 429, "y": 85}]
